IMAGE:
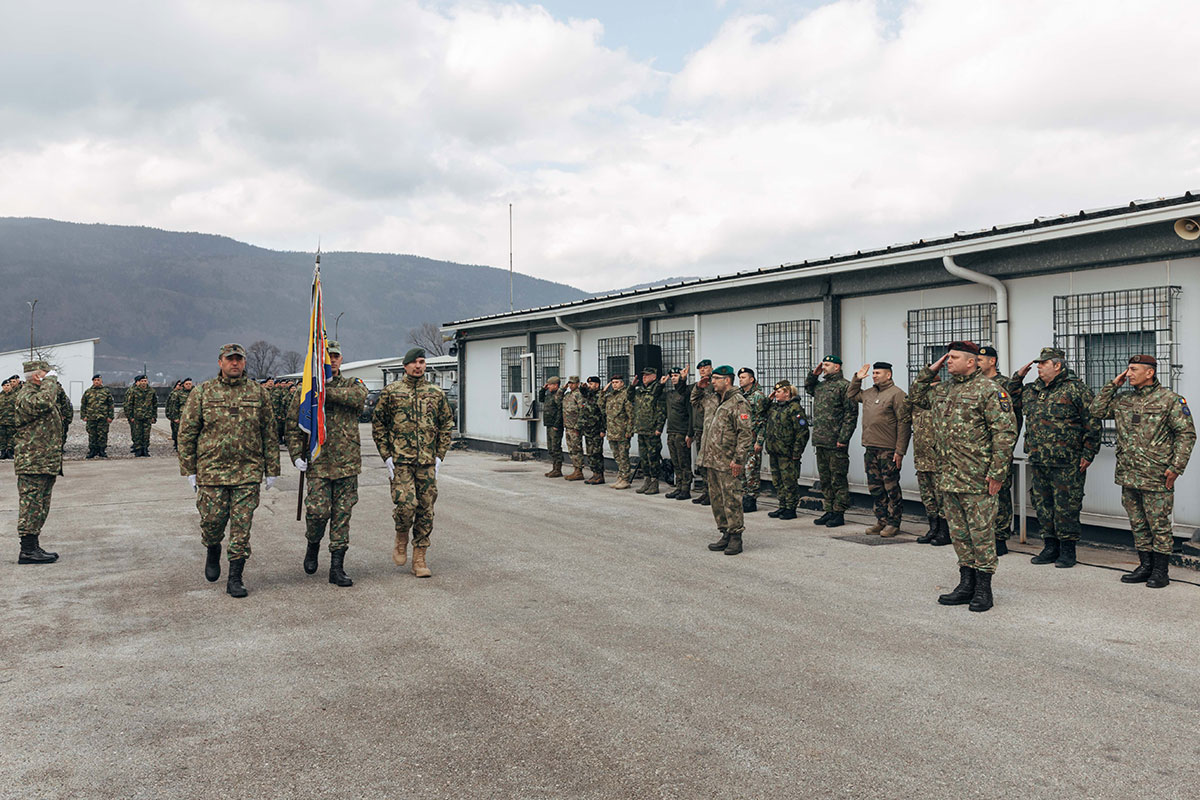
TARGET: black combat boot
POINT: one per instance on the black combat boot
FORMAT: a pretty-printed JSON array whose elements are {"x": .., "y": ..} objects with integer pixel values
[
  {"x": 735, "y": 545},
  {"x": 91, "y": 453},
  {"x": 982, "y": 599},
  {"x": 684, "y": 494},
  {"x": 1049, "y": 552},
  {"x": 1158, "y": 572},
  {"x": 337, "y": 574},
  {"x": 671, "y": 495},
  {"x": 787, "y": 513},
  {"x": 961, "y": 594},
  {"x": 310, "y": 557},
  {"x": 1066, "y": 554},
  {"x": 702, "y": 500},
  {"x": 1144, "y": 567},
  {"x": 933, "y": 531},
  {"x": 821, "y": 520},
  {"x": 749, "y": 505},
  {"x": 775, "y": 514},
  {"x": 836, "y": 520},
  {"x": 212, "y": 563},
  {"x": 103, "y": 452},
  {"x": 721, "y": 543},
  {"x": 233, "y": 585},
  {"x": 1001, "y": 547},
  {"x": 32, "y": 553},
  {"x": 943, "y": 535}
]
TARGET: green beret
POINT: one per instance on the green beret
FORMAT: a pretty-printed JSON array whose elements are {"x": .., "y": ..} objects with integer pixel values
[
  {"x": 705, "y": 363},
  {"x": 725, "y": 370},
  {"x": 413, "y": 354},
  {"x": 832, "y": 359}
]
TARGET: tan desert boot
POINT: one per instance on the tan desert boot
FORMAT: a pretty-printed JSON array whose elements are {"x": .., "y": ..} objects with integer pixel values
[
  {"x": 876, "y": 528},
  {"x": 622, "y": 483},
  {"x": 577, "y": 475},
  {"x": 889, "y": 531},
  {"x": 400, "y": 551},
  {"x": 418, "y": 568},
  {"x": 555, "y": 471}
]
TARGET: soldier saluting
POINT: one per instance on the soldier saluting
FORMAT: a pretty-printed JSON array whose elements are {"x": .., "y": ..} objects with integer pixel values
[
  {"x": 37, "y": 439},
  {"x": 835, "y": 416},
  {"x": 728, "y": 440}
]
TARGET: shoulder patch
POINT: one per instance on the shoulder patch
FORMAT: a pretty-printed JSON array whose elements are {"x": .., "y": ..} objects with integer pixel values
[
  {"x": 1005, "y": 401},
  {"x": 803, "y": 421},
  {"x": 1183, "y": 406}
]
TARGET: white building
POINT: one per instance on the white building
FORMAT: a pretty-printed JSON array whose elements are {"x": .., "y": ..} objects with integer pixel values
[{"x": 75, "y": 362}]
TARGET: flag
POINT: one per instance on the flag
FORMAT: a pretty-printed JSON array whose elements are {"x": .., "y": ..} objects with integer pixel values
[{"x": 317, "y": 370}]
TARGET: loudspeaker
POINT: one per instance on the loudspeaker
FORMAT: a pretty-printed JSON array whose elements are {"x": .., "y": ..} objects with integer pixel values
[
  {"x": 1187, "y": 229},
  {"x": 646, "y": 355}
]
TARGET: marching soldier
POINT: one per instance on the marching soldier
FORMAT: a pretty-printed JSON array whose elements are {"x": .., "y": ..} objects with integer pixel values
[
  {"x": 752, "y": 476},
  {"x": 835, "y": 417},
  {"x": 96, "y": 411},
  {"x": 925, "y": 462},
  {"x": 618, "y": 426},
  {"x": 551, "y": 398},
  {"x": 785, "y": 436},
  {"x": 679, "y": 433},
  {"x": 38, "y": 456},
  {"x": 141, "y": 409},
  {"x": 7, "y": 415},
  {"x": 411, "y": 426},
  {"x": 728, "y": 440},
  {"x": 591, "y": 422},
  {"x": 885, "y": 434},
  {"x": 988, "y": 358},
  {"x": 333, "y": 475},
  {"x": 227, "y": 447},
  {"x": 704, "y": 402},
  {"x": 649, "y": 414},
  {"x": 1155, "y": 437},
  {"x": 572, "y": 410}
]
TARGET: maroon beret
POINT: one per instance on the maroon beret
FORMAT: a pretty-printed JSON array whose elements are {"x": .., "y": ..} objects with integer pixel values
[
  {"x": 966, "y": 347},
  {"x": 1150, "y": 361}
]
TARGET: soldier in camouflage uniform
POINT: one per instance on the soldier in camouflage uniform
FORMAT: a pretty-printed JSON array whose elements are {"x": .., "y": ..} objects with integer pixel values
[
  {"x": 141, "y": 409},
  {"x": 988, "y": 358},
  {"x": 285, "y": 393},
  {"x": 227, "y": 446},
  {"x": 591, "y": 424},
  {"x": 7, "y": 415},
  {"x": 96, "y": 411},
  {"x": 617, "y": 409},
  {"x": 38, "y": 456},
  {"x": 925, "y": 462},
  {"x": 67, "y": 411},
  {"x": 835, "y": 417},
  {"x": 411, "y": 425},
  {"x": 974, "y": 432},
  {"x": 333, "y": 475},
  {"x": 551, "y": 398},
  {"x": 728, "y": 441},
  {"x": 704, "y": 402},
  {"x": 680, "y": 430},
  {"x": 785, "y": 435},
  {"x": 572, "y": 411},
  {"x": 1155, "y": 437},
  {"x": 649, "y": 416},
  {"x": 752, "y": 475},
  {"x": 174, "y": 408},
  {"x": 886, "y": 428},
  {"x": 1061, "y": 439}
]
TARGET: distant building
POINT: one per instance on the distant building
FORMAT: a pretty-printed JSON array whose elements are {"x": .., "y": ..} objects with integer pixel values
[{"x": 74, "y": 361}]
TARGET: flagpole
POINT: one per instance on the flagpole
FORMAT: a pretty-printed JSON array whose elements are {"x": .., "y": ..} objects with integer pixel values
[{"x": 300, "y": 486}]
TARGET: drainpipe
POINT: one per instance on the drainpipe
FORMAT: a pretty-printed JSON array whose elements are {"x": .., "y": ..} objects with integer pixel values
[
  {"x": 578, "y": 342},
  {"x": 1001, "y": 306}
]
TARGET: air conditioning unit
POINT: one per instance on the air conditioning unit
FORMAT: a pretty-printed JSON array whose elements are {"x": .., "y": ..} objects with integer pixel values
[{"x": 521, "y": 406}]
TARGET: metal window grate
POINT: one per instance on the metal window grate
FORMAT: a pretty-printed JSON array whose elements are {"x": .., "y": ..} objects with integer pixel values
[
  {"x": 788, "y": 350},
  {"x": 549, "y": 362},
  {"x": 615, "y": 355},
  {"x": 1099, "y": 331},
  {"x": 677, "y": 348},
  {"x": 931, "y": 329},
  {"x": 510, "y": 371}
]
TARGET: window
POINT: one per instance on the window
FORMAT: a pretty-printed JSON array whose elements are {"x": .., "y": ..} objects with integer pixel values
[
  {"x": 549, "y": 362},
  {"x": 787, "y": 350},
  {"x": 615, "y": 356},
  {"x": 931, "y": 329},
  {"x": 510, "y": 372},
  {"x": 678, "y": 349}
]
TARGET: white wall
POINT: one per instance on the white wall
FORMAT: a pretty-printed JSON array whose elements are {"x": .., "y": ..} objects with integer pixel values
[
  {"x": 485, "y": 417},
  {"x": 75, "y": 363}
]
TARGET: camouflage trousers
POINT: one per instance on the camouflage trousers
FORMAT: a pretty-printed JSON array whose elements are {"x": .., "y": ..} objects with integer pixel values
[
  {"x": 66, "y": 428},
  {"x": 330, "y": 500},
  {"x": 931, "y": 498},
  {"x": 97, "y": 431},
  {"x": 33, "y": 502},
  {"x": 883, "y": 481},
  {"x": 785, "y": 475},
  {"x": 650, "y": 454},
  {"x": 833, "y": 465},
  {"x": 725, "y": 492},
  {"x": 595, "y": 451},
  {"x": 414, "y": 491},
  {"x": 232, "y": 505},
  {"x": 620, "y": 451},
  {"x": 972, "y": 522},
  {"x": 139, "y": 432},
  {"x": 681, "y": 459},
  {"x": 575, "y": 447},
  {"x": 6, "y": 437},
  {"x": 1057, "y": 499},
  {"x": 752, "y": 475},
  {"x": 1004, "y": 512},
  {"x": 175, "y": 433},
  {"x": 1149, "y": 518},
  {"x": 281, "y": 428},
  {"x": 554, "y": 445}
]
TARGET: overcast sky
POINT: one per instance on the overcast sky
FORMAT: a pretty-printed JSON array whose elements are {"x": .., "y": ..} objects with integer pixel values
[{"x": 635, "y": 140}]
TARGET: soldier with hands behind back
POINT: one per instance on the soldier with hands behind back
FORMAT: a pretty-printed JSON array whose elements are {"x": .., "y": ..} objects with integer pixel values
[{"x": 96, "y": 411}]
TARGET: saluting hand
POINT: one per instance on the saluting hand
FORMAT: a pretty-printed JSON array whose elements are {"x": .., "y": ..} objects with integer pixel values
[
  {"x": 937, "y": 365},
  {"x": 1025, "y": 369},
  {"x": 818, "y": 369},
  {"x": 1117, "y": 381},
  {"x": 863, "y": 371}
]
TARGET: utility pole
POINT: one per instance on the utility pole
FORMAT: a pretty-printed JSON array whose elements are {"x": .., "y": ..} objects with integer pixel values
[
  {"x": 510, "y": 271},
  {"x": 32, "y": 306},
  {"x": 335, "y": 324}
]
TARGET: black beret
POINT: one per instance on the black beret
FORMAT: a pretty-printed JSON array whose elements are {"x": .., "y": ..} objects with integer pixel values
[
  {"x": 747, "y": 370},
  {"x": 97, "y": 375},
  {"x": 617, "y": 376},
  {"x": 705, "y": 363},
  {"x": 595, "y": 378},
  {"x": 988, "y": 350},
  {"x": 881, "y": 365}
]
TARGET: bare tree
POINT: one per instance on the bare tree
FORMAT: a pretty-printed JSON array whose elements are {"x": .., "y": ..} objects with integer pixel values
[
  {"x": 261, "y": 359},
  {"x": 428, "y": 336},
  {"x": 291, "y": 361}
]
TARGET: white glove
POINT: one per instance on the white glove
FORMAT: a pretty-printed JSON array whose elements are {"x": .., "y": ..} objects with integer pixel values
[
  {"x": 437, "y": 466},
  {"x": 52, "y": 374},
  {"x": 270, "y": 481},
  {"x": 301, "y": 464},
  {"x": 391, "y": 469},
  {"x": 192, "y": 482}
]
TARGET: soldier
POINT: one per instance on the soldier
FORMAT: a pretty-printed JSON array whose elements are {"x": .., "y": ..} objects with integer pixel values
[
  {"x": 1155, "y": 437},
  {"x": 925, "y": 462},
  {"x": 226, "y": 448},
  {"x": 175, "y": 402},
  {"x": 7, "y": 415},
  {"x": 988, "y": 358},
  {"x": 618, "y": 426},
  {"x": 141, "y": 409},
  {"x": 411, "y": 426},
  {"x": 572, "y": 411},
  {"x": 333, "y": 474},
  {"x": 38, "y": 456},
  {"x": 551, "y": 398},
  {"x": 885, "y": 434},
  {"x": 649, "y": 415},
  {"x": 67, "y": 412},
  {"x": 591, "y": 423},
  {"x": 1061, "y": 439},
  {"x": 285, "y": 392},
  {"x": 704, "y": 401},
  {"x": 728, "y": 440},
  {"x": 752, "y": 475},
  {"x": 834, "y": 419},
  {"x": 679, "y": 433},
  {"x": 785, "y": 435},
  {"x": 96, "y": 411},
  {"x": 974, "y": 432}
]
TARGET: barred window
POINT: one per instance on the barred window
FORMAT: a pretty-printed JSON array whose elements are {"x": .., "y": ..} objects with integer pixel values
[
  {"x": 549, "y": 362},
  {"x": 510, "y": 371},
  {"x": 678, "y": 348},
  {"x": 931, "y": 329},
  {"x": 615, "y": 356},
  {"x": 788, "y": 350}
]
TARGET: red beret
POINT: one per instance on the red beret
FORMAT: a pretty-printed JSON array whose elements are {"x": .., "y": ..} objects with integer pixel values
[
  {"x": 1150, "y": 361},
  {"x": 966, "y": 347}
]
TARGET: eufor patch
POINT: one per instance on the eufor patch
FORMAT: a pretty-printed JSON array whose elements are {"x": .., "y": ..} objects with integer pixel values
[{"x": 1187, "y": 412}]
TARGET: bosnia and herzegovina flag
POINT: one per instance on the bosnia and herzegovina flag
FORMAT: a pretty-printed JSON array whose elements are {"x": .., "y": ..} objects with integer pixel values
[{"x": 317, "y": 370}]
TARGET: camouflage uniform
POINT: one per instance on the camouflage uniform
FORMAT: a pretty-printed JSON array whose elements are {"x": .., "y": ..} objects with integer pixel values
[
  {"x": 333, "y": 475},
  {"x": 752, "y": 475},
  {"x": 7, "y": 419},
  {"x": 175, "y": 403},
  {"x": 281, "y": 399},
  {"x": 649, "y": 416},
  {"x": 834, "y": 419},
  {"x": 591, "y": 424},
  {"x": 1004, "y": 512},
  {"x": 704, "y": 404},
  {"x": 1059, "y": 431},
  {"x": 618, "y": 427},
  {"x": 1155, "y": 432},
  {"x": 572, "y": 414},
  {"x": 728, "y": 439},
  {"x": 66, "y": 410},
  {"x": 679, "y": 430},
  {"x": 886, "y": 431},
  {"x": 37, "y": 441},
  {"x": 96, "y": 409},
  {"x": 785, "y": 436},
  {"x": 974, "y": 432},
  {"x": 925, "y": 460},
  {"x": 141, "y": 409},
  {"x": 227, "y": 440},
  {"x": 552, "y": 420},
  {"x": 411, "y": 424}
]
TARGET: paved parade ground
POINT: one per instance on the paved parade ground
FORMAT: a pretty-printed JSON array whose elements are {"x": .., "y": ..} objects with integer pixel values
[{"x": 574, "y": 642}]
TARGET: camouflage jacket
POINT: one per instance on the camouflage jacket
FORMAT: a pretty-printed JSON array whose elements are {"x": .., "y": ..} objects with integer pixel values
[
  {"x": 38, "y": 434},
  {"x": 281, "y": 399},
  {"x": 758, "y": 410},
  {"x": 412, "y": 422},
  {"x": 728, "y": 437},
  {"x": 141, "y": 404},
  {"x": 96, "y": 403},
  {"x": 924, "y": 452},
  {"x": 341, "y": 455},
  {"x": 835, "y": 416},
  {"x": 786, "y": 430},
  {"x": 65, "y": 409},
  {"x": 649, "y": 411},
  {"x": 885, "y": 420},
  {"x": 974, "y": 430},
  {"x": 704, "y": 405},
  {"x": 7, "y": 407},
  {"x": 618, "y": 414},
  {"x": 227, "y": 434},
  {"x": 552, "y": 407},
  {"x": 175, "y": 403},
  {"x": 678, "y": 401},
  {"x": 1059, "y": 426},
  {"x": 1002, "y": 382},
  {"x": 573, "y": 404},
  {"x": 1155, "y": 432},
  {"x": 591, "y": 417}
]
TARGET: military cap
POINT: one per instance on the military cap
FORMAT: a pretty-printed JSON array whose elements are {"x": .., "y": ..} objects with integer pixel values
[
  {"x": 97, "y": 375},
  {"x": 881, "y": 365},
  {"x": 595, "y": 378},
  {"x": 1149, "y": 361},
  {"x": 725, "y": 370},
  {"x": 137, "y": 378},
  {"x": 783, "y": 384},
  {"x": 14, "y": 377},
  {"x": 832, "y": 359},
  {"x": 185, "y": 380},
  {"x": 413, "y": 354},
  {"x": 673, "y": 371},
  {"x": 705, "y": 363},
  {"x": 746, "y": 369},
  {"x": 964, "y": 347},
  {"x": 649, "y": 371},
  {"x": 572, "y": 379},
  {"x": 232, "y": 349},
  {"x": 1049, "y": 353},
  {"x": 551, "y": 379},
  {"x": 617, "y": 376},
  {"x": 34, "y": 366},
  {"x": 333, "y": 348},
  {"x": 988, "y": 350}
]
